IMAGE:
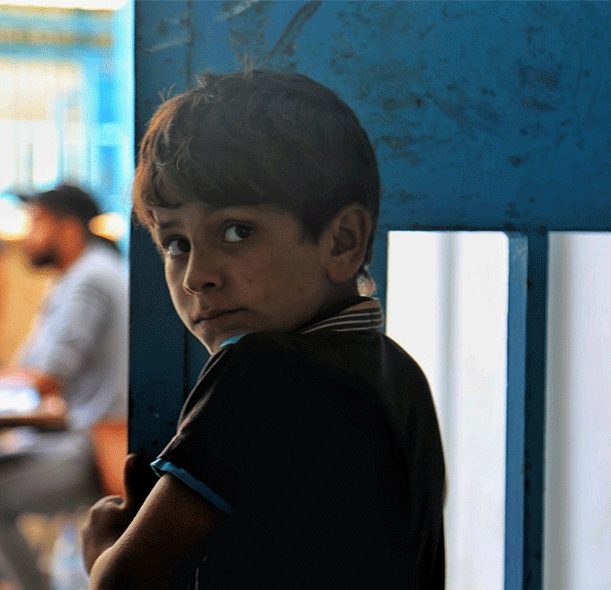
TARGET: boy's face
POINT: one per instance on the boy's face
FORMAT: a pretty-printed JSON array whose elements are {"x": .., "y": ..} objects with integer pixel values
[{"x": 240, "y": 269}]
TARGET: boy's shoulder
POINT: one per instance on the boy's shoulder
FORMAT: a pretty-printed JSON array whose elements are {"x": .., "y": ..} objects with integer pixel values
[
  {"x": 359, "y": 359},
  {"x": 261, "y": 358},
  {"x": 271, "y": 354},
  {"x": 341, "y": 349},
  {"x": 288, "y": 349}
]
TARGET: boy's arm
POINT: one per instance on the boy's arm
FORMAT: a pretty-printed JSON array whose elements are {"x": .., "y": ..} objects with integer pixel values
[{"x": 159, "y": 548}]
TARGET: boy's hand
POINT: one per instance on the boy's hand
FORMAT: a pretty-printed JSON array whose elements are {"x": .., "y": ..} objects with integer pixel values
[
  {"x": 109, "y": 517},
  {"x": 106, "y": 522},
  {"x": 139, "y": 480}
]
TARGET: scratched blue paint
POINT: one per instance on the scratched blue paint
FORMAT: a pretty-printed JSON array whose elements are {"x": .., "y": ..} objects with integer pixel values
[
  {"x": 162, "y": 60},
  {"x": 502, "y": 105},
  {"x": 484, "y": 116}
]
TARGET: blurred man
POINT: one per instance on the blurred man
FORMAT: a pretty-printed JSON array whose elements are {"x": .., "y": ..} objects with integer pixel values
[{"x": 76, "y": 357}]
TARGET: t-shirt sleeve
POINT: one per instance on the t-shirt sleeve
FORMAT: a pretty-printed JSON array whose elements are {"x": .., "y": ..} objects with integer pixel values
[{"x": 225, "y": 432}]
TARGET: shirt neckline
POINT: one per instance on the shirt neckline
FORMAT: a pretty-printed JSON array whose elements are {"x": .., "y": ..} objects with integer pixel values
[
  {"x": 360, "y": 314},
  {"x": 365, "y": 314}
]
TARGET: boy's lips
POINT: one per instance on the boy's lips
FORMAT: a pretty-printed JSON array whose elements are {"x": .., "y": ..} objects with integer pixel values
[{"x": 212, "y": 315}]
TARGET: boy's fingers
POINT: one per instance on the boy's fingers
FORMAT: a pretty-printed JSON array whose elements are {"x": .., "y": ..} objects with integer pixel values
[
  {"x": 131, "y": 475},
  {"x": 139, "y": 480}
]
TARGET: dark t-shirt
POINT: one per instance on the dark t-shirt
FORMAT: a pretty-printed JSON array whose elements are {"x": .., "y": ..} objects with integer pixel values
[{"x": 322, "y": 452}]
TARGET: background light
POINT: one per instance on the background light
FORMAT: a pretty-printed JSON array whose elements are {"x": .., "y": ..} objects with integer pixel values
[
  {"x": 111, "y": 226},
  {"x": 14, "y": 221}
]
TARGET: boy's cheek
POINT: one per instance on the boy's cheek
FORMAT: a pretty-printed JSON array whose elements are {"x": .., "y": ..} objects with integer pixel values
[{"x": 173, "y": 276}]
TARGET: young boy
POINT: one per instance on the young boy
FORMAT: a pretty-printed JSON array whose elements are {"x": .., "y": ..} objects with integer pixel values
[{"x": 308, "y": 455}]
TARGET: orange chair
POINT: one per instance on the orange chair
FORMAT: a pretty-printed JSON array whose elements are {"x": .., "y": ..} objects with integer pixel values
[{"x": 109, "y": 438}]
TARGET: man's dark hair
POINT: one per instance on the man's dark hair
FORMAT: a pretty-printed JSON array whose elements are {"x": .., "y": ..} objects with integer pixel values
[
  {"x": 66, "y": 200},
  {"x": 256, "y": 138},
  {"x": 69, "y": 200}
]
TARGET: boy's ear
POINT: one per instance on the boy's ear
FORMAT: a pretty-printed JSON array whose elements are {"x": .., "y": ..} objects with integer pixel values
[{"x": 347, "y": 234}]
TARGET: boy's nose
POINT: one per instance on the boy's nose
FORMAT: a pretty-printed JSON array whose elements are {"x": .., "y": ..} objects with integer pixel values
[{"x": 202, "y": 274}]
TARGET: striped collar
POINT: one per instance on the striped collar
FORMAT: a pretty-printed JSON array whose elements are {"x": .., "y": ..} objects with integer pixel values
[{"x": 364, "y": 315}]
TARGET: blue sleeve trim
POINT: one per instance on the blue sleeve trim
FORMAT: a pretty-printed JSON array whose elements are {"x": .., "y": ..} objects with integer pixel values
[{"x": 161, "y": 466}]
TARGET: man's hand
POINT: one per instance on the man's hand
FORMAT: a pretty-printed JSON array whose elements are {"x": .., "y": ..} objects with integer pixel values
[
  {"x": 109, "y": 517},
  {"x": 45, "y": 384},
  {"x": 51, "y": 412}
]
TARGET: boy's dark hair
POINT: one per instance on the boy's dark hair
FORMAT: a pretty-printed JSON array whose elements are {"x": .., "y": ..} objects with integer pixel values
[{"x": 255, "y": 138}]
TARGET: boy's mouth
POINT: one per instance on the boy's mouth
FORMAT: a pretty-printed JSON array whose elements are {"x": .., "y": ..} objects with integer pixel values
[{"x": 212, "y": 315}]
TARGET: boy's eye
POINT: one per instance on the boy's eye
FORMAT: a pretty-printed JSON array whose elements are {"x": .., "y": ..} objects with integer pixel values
[
  {"x": 176, "y": 247},
  {"x": 236, "y": 232}
]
